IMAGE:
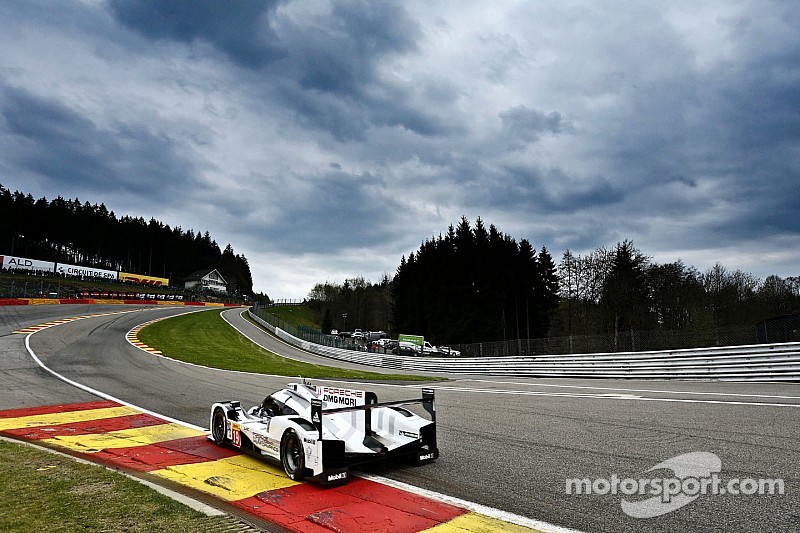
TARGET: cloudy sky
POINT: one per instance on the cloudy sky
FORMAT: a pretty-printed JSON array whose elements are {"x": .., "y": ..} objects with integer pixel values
[{"x": 325, "y": 140}]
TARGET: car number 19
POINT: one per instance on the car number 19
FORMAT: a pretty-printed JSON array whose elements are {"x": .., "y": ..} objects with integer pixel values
[{"x": 236, "y": 437}]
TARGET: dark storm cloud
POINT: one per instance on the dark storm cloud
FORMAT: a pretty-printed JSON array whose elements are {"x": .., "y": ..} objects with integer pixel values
[
  {"x": 736, "y": 128},
  {"x": 324, "y": 68},
  {"x": 349, "y": 119},
  {"x": 240, "y": 30},
  {"x": 543, "y": 193},
  {"x": 338, "y": 210},
  {"x": 341, "y": 53},
  {"x": 704, "y": 148},
  {"x": 335, "y": 53},
  {"x": 523, "y": 125},
  {"x": 331, "y": 76},
  {"x": 58, "y": 144},
  {"x": 760, "y": 107}
]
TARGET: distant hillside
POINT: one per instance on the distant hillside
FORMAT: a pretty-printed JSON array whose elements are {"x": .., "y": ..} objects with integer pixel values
[{"x": 68, "y": 231}]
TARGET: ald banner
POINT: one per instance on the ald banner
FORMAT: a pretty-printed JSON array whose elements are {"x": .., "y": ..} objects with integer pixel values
[{"x": 9, "y": 262}]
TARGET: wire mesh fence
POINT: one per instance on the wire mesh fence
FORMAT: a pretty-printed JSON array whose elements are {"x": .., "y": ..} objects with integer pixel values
[
  {"x": 782, "y": 329},
  {"x": 34, "y": 289},
  {"x": 306, "y": 333},
  {"x": 625, "y": 341}
]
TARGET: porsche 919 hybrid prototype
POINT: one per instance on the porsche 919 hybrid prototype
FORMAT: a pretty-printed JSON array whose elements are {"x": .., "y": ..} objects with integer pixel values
[{"x": 319, "y": 432}]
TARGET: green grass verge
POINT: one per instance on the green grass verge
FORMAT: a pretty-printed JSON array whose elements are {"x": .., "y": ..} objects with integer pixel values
[
  {"x": 295, "y": 315},
  {"x": 204, "y": 338},
  {"x": 47, "y": 492}
]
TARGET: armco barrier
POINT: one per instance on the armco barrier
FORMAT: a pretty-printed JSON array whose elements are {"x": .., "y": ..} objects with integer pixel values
[{"x": 761, "y": 362}]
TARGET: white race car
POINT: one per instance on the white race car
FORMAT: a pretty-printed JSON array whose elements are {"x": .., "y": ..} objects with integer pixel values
[{"x": 319, "y": 432}]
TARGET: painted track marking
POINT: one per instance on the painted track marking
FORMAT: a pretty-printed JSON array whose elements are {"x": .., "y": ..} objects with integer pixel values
[
  {"x": 245, "y": 482},
  {"x": 500, "y": 519}
]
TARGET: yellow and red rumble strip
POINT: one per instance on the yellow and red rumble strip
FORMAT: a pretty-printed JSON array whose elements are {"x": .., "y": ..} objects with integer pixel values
[
  {"x": 116, "y": 435},
  {"x": 133, "y": 337},
  {"x": 86, "y": 301}
]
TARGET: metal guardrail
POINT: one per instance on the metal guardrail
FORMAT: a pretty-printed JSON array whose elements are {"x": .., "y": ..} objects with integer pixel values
[{"x": 761, "y": 362}]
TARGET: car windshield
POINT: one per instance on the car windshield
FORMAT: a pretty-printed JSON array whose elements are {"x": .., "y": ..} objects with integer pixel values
[{"x": 284, "y": 409}]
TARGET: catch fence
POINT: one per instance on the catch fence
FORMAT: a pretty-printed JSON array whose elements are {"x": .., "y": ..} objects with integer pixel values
[
  {"x": 302, "y": 332},
  {"x": 625, "y": 341},
  {"x": 785, "y": 329}
]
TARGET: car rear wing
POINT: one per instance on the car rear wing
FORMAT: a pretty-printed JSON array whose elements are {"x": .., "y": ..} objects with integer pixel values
[{"x": 427, "y": 401}]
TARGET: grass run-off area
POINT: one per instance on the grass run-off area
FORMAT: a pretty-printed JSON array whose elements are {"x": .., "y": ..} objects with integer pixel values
[
  {"x": 204, "y": 338},
  {"x": 296, "y": 315},
  {"x": 47, "y": 492}
]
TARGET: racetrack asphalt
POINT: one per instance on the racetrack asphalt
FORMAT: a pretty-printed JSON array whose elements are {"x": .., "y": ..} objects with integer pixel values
[{"x": 506, "y": 443}]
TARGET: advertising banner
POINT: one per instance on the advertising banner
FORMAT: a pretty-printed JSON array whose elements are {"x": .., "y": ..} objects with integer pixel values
[
  {"x": 417, "y": 340},
  {"x": 144, "y": 280},
  {"x": 10, "y": 262},
  {"x": 85, "y": 272}
]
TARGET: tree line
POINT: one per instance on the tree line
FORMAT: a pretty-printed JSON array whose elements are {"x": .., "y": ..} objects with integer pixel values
[
  {"x": 69, "y": 231},
  {"x": 475, "y": 284},
  {"x": 622, "y": 289},
  {"x": 355, "y": 303},
  {"x": 469, "y": 285}
]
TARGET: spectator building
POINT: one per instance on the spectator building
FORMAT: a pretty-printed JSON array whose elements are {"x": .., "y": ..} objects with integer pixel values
[{"x": 208, "y": 279}]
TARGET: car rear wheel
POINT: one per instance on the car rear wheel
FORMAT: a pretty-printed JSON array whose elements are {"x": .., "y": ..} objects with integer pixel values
[
  {"x": 292, "y": 456},
  {"x": 219, "y": 427}
]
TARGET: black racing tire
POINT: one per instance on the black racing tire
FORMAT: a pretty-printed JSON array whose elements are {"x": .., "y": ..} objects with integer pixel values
[
  {"x": 293, "y": 457},
  {"x": 219, "y": 427}
]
